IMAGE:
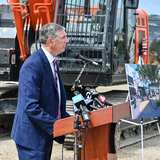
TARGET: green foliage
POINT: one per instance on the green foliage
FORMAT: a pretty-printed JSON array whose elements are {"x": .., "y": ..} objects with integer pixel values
[
  {"x": 149, "y": 73},
  {"x": 158, "y": 102},
  {"x": 155, "y": 46}
]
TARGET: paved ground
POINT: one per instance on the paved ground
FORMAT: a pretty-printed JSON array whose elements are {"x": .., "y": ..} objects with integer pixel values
[
  {"x": 144, "y": 109},
  {"x": 151, "y": 151}
]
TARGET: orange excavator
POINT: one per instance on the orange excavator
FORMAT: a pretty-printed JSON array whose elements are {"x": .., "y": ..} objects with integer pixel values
[
  {"x": 108, "y": 32},
  {"x": 101, "y": 30}
]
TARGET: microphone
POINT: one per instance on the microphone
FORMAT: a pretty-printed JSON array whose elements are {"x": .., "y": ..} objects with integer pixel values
[
  {"x": 100, "y": 103},
  {"x": 102, "y": 98},
  {"x": 78, "y": 56},
  {"x": 78, "y": 99},
  {"x": 89, "y": 105},
  {"x": 91, "y": 92},
  {"x": 79, "y": 102}
]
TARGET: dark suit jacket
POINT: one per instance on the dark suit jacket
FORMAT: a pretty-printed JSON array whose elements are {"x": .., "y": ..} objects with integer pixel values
[{"x": 37, "y": 106}]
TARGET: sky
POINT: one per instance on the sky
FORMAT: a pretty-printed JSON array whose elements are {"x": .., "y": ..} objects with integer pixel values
[
  {"x": 3, "y": 1},
  {"x": 150, "y": 6}
]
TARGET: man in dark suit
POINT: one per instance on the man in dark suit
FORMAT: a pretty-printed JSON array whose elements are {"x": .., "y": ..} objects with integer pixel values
[{"x": 39, "y": 97}]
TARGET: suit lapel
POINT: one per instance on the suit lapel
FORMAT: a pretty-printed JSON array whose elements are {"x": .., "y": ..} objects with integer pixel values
[
  {"x": 49, "y": 71},
  {"x": 48, "y": 68}
]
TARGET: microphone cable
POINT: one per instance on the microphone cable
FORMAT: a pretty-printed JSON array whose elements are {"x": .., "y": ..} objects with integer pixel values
[{"x": 97, "y": 78}]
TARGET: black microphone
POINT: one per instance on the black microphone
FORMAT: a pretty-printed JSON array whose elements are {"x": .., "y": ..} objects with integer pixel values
[
  {"x": 91, "y": 92},
  {"x": 79, "y": 102},
  {"x": 100, "y": 103},
  {"x": 78, "y": 56},
  {"x": 102, "y": 98},
  {"x": 89, "y": 105}
]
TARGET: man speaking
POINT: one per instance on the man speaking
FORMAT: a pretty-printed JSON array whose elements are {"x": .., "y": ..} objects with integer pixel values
[{"x": 41, "y": 97}]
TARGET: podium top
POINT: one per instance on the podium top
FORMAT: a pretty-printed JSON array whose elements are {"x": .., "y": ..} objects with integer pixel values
[{"x": 98, "y": 118}]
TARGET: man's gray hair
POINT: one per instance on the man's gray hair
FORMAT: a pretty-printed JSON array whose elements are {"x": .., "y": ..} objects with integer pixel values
[{"x": 49, "y": 30}]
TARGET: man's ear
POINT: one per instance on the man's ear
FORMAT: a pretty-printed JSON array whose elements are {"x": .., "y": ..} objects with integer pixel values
[{"x": 50, "y": 41}]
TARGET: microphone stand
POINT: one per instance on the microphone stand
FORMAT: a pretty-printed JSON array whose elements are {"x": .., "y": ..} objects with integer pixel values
[
  {"x": 78, "y": 77},
  {"x": 77, "y": 125}
]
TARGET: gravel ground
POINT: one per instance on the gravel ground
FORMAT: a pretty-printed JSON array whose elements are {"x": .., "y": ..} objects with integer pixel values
[{"x": 151, "y": 151}]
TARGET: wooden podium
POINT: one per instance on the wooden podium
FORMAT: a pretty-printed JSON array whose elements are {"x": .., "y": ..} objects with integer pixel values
[{"x": 98, "y": 139}]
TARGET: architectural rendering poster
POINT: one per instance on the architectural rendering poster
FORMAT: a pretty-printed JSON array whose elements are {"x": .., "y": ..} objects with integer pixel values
[{"x": 144, "y": 86}]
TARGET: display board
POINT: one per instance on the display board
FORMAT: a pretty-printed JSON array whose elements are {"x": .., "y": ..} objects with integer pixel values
[{"x": 144, "y": 86}]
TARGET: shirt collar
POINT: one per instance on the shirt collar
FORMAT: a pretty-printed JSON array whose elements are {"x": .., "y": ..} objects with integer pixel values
[{"x": 48, "y": 55}]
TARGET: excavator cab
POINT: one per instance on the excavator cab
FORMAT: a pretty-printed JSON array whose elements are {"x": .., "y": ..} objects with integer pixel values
[{"x": 103, "y": 31}]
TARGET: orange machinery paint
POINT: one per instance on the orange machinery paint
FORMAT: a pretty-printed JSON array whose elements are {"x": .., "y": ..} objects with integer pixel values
[{"x": 142, "y": 31}]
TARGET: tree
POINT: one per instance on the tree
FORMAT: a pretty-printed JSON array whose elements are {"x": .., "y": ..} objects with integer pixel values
[
  {"x": 149, "y": 73},
  {"x": 155, "y": 46}
]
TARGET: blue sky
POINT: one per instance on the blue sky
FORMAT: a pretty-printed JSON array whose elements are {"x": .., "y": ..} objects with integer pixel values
[
  {"x": 150, "y": 6},
  {"x": 3, "y": 1}
]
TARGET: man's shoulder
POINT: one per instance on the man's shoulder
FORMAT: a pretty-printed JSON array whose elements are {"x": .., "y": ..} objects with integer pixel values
[
  {"x": 34, "y": 61},
  {"x": 36, "y": 56}
]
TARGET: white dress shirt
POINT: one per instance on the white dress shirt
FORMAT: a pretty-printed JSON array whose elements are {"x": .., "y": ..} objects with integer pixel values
[{"x": 51, "y": 59}]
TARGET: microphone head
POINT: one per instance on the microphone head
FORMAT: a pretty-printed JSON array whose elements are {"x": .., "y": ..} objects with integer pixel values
[
  {"x": 75, "y": 109},
  {"x": 102, "y": 98},
  {"x": 76, "y": 55},
  {"x": 75, "y": 93},
  {"x": 87, "y": 89},
  {"x": 88, "y": 101}
]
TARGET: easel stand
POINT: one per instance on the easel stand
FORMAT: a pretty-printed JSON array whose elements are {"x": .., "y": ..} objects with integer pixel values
[{"x": 141, "y": 124}]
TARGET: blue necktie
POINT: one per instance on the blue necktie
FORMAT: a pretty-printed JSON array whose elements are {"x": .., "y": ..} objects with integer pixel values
[{"x": 56, "y": 80}]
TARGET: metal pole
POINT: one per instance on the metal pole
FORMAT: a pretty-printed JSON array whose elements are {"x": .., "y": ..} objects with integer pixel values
[
  {"x": 56, "y": 11},
  {"x": 62, "y": 151},
  {"x": 79, "y": 143},
  {"x": 75, "y": 142},
  {"x": 123, "y": 120},
  {"x": 158, "y": 127},
  {"x": 142, "y": 138}
]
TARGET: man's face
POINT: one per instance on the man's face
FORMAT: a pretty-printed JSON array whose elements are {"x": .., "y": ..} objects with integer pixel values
[{"x": 59, "y": 44}]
